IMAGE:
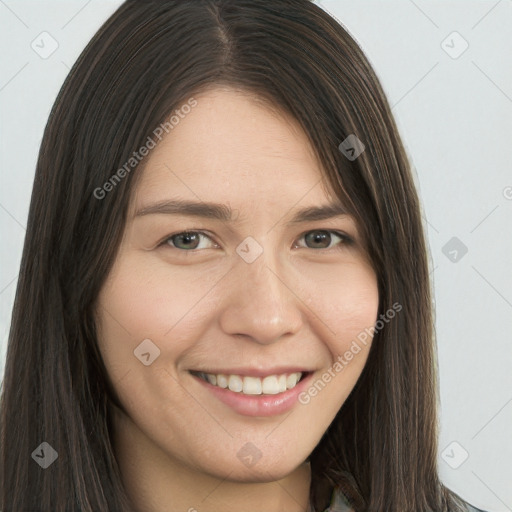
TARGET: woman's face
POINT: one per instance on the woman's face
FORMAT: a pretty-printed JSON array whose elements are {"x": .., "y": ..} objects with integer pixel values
[{"x": 256, "y": 296}]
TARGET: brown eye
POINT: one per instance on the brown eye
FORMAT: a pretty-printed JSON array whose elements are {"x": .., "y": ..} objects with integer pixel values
[
  {"x": 186, "y": 240},
  {"x": 322, "y": 239}
]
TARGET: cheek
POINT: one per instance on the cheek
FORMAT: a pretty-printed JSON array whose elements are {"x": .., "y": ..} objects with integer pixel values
[
  {"x": 348, "y": 308},
  {"x": 344, "y": 299},
  {"x": 142, "y": 301},
  {"x": 354, "y": 314}
]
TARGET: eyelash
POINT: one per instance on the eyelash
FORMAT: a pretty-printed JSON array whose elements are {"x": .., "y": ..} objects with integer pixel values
[{"x": 345, "y": 239}]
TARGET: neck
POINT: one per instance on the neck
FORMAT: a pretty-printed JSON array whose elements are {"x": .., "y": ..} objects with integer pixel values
[{"x": 155, "y": 482}]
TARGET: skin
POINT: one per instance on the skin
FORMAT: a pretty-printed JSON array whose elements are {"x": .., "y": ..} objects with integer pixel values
[{"x": 299, "y": 303}]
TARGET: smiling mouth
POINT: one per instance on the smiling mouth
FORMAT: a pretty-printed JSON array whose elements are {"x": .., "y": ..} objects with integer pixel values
[{"x": 247, "y": 385}]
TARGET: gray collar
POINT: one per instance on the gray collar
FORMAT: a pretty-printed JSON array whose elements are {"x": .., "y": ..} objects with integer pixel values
[{"x": 338, "y": 503}]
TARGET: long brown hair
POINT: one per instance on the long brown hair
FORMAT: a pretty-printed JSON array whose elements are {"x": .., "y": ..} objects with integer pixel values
[{"x": 146, "y": 60}]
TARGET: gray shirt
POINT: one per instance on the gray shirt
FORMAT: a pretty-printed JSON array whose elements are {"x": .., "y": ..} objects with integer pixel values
[{"x": 340, "y": 504}]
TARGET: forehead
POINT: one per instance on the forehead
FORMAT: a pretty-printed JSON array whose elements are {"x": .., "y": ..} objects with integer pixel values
[{"x": 231, "y": 146}]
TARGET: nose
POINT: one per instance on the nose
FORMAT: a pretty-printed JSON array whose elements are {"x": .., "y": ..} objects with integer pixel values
[{"x": 259, "y": 303}]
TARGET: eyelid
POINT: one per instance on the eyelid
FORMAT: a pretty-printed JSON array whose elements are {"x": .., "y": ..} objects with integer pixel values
[{"x": 346, "y": 239}]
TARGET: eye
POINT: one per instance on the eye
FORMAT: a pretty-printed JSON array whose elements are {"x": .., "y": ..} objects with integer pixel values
[
  {"x": 321, "y": 239},
  {"x": 186, "y": 240}
]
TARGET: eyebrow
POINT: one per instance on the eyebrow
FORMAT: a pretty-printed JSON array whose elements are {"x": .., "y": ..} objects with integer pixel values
[{"x": 224, "y": 213}]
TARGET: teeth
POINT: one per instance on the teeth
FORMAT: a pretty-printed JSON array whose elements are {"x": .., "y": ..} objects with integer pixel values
[
  {"x": 281, "y": 383},
  {"x": 222, "y": 380},
  {"x": 292, "y": 380},
  {"x": 252, "y": 386},
  {"x": 271, "y": 385},
  {"x": 235, "y": 383}
]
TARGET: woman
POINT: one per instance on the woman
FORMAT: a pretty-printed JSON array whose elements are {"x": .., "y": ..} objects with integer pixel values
[{"x": 223, "y": 301}]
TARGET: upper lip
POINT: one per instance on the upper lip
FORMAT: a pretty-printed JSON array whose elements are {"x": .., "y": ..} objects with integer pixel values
[{"x": 255, "y": 372}]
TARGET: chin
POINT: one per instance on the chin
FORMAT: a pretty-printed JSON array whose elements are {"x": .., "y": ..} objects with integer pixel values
[{"x": 259, "y": 472}]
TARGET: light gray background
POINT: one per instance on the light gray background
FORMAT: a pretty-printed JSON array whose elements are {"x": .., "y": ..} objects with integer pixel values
[{"x": 455, "y": 116}]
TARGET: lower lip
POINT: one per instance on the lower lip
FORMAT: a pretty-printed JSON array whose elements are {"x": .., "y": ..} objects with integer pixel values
[{"x": 258, "y": 405}]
